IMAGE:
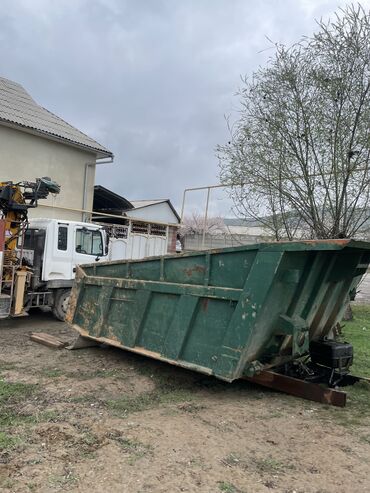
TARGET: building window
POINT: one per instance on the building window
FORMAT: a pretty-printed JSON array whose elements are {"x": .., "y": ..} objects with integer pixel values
[
  {"x": 62, "y": 237},
  {"x": 142, "y": 228},
  {"x": 158, "y": 230},
  {"x": 89, "y": 242},
  {"x": 116, "y": 231}
]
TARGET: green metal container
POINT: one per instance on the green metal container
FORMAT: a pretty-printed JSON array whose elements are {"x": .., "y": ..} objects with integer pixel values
[{"x": 228, "y": 312}]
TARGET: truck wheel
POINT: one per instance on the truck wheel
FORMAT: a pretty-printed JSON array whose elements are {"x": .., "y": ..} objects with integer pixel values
[{"x": 61, "y": 302}]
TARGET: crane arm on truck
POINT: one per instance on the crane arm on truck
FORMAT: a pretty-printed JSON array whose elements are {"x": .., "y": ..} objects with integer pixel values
[{"x": 15, "y": 201}]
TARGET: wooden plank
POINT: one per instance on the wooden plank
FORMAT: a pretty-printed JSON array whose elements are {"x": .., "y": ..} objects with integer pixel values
[
  {"x": 299, "y": 388},
  {"x": 48, "y": 340}
]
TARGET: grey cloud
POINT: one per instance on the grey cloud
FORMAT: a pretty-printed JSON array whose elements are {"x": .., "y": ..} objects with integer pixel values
[{"x": 150, "y": 79}]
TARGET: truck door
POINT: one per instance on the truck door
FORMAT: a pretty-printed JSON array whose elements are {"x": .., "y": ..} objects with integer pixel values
[
  {"x": 88, "y": 245},
  {"x": 57, "y": 265}
]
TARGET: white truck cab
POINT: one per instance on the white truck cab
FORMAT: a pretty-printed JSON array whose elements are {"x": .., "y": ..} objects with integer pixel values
[{"x": 52, "y": 248}]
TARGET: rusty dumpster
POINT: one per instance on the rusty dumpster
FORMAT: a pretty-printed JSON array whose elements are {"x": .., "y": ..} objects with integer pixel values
[{"x": 227, "y": 312}]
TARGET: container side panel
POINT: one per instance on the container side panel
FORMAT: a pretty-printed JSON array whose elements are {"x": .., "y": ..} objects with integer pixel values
[
  {"x": 181, "y": 324},
  {"x": 102, "y": 308},
  {"x": 185, "y": 270},
  {"x": 231, "y": 269},
  {"x": 345, "y": 265},
  {"x": 330, "y": 291},
  {"x": 226, "y": 312},
  {"x": 339, "y": 297},
  {"x": 208, "y": 331},
  {"x": 88, "y": 311},
  {"x": 319, "y": 287},
  {"x": 117, "y": 270},
  {"x": 287, "y": 280},
  {"x": 121, "y": 315},
  {"x": 158, "y": 320},
  {"x": 147, "y": 271},
  {"x": 317, "y": 303},
  {"x": 88, "y": 270},
  {"x": 230, "y": 362},
  {"x": 323, "y": 311},
  {"x": 314, "y": 263},
  {"x": 340, "y": 279}
]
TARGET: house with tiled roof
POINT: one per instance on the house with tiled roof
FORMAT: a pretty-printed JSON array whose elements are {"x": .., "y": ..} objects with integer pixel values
[{"x": 34, "y": 143}]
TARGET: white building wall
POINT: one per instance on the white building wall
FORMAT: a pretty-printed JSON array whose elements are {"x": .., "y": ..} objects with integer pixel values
[
  {"x": 161, "y": 212},
  {"x": 25, "y": 156}
]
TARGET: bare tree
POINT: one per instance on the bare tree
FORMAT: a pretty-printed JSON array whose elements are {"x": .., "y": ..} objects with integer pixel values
[
  {"x": 196, "y": 223},
  {"x": 298, "y": 155}
]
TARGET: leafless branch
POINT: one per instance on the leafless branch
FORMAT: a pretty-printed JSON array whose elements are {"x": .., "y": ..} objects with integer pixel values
[{"x": 301, "y": 142}]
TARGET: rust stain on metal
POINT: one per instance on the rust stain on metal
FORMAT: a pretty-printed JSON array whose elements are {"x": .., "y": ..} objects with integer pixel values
[
  {"x": 196, "y": 269},
  {"x": 205, "y": 304},
  {"x": 299, "y": 388},
  {"x": 146, "y": 352},
  {"x": 333, "y": 241}
]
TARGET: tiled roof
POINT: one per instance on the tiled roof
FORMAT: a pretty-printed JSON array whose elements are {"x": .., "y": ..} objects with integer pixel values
[{"x": 17, "y": 107}]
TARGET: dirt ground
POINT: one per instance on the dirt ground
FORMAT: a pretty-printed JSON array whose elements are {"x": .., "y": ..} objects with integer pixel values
[{"x": 105, "y": 420}]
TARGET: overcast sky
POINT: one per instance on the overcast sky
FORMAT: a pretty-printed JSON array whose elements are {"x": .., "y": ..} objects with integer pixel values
[{"x": 149, "y": 79}]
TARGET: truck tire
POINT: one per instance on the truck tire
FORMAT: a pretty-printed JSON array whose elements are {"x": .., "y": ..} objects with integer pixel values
[{"x": 61, "y": 302}]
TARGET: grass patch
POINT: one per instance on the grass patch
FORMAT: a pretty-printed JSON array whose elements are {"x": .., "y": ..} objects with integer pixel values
[
  {"x": 13, "y": 396},
  {"x": 83, "y": 399},
  {"x": 4, "y": 365},
  {"x": 10, "y": 417},
  {"x": 268, "y": 464},
  {"x": 191, "y": 407},
  {"x": 82, "y": 375},
  {"x": 166, "y": 392},
  {"x": 134, "y": 448},
  {"x": 101, "y": 373},
  {"x": 357, "y": 332},
  {"x": 271, "y": 465},
  {"x": 112, "y": 373},
  {"x": 7, "y": 484},
  {"x": 227, "y": 487},
  {"x": 357, "y": 411},
  {"x": 232, "y": 460},
  {"x": 7, "y": 442},
  {"x": 90, "y": 441},
  {"x": 88, "y": 444},
  {"x": 14, "y": 392},
  {"x": 63, "y": 481},
  {"x": 52, "y": 372},
  {"x": 148, "y": 400}
]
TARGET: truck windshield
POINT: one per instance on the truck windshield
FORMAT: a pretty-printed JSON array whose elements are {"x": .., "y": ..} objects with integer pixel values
[{"x": 89, "y": 242}]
